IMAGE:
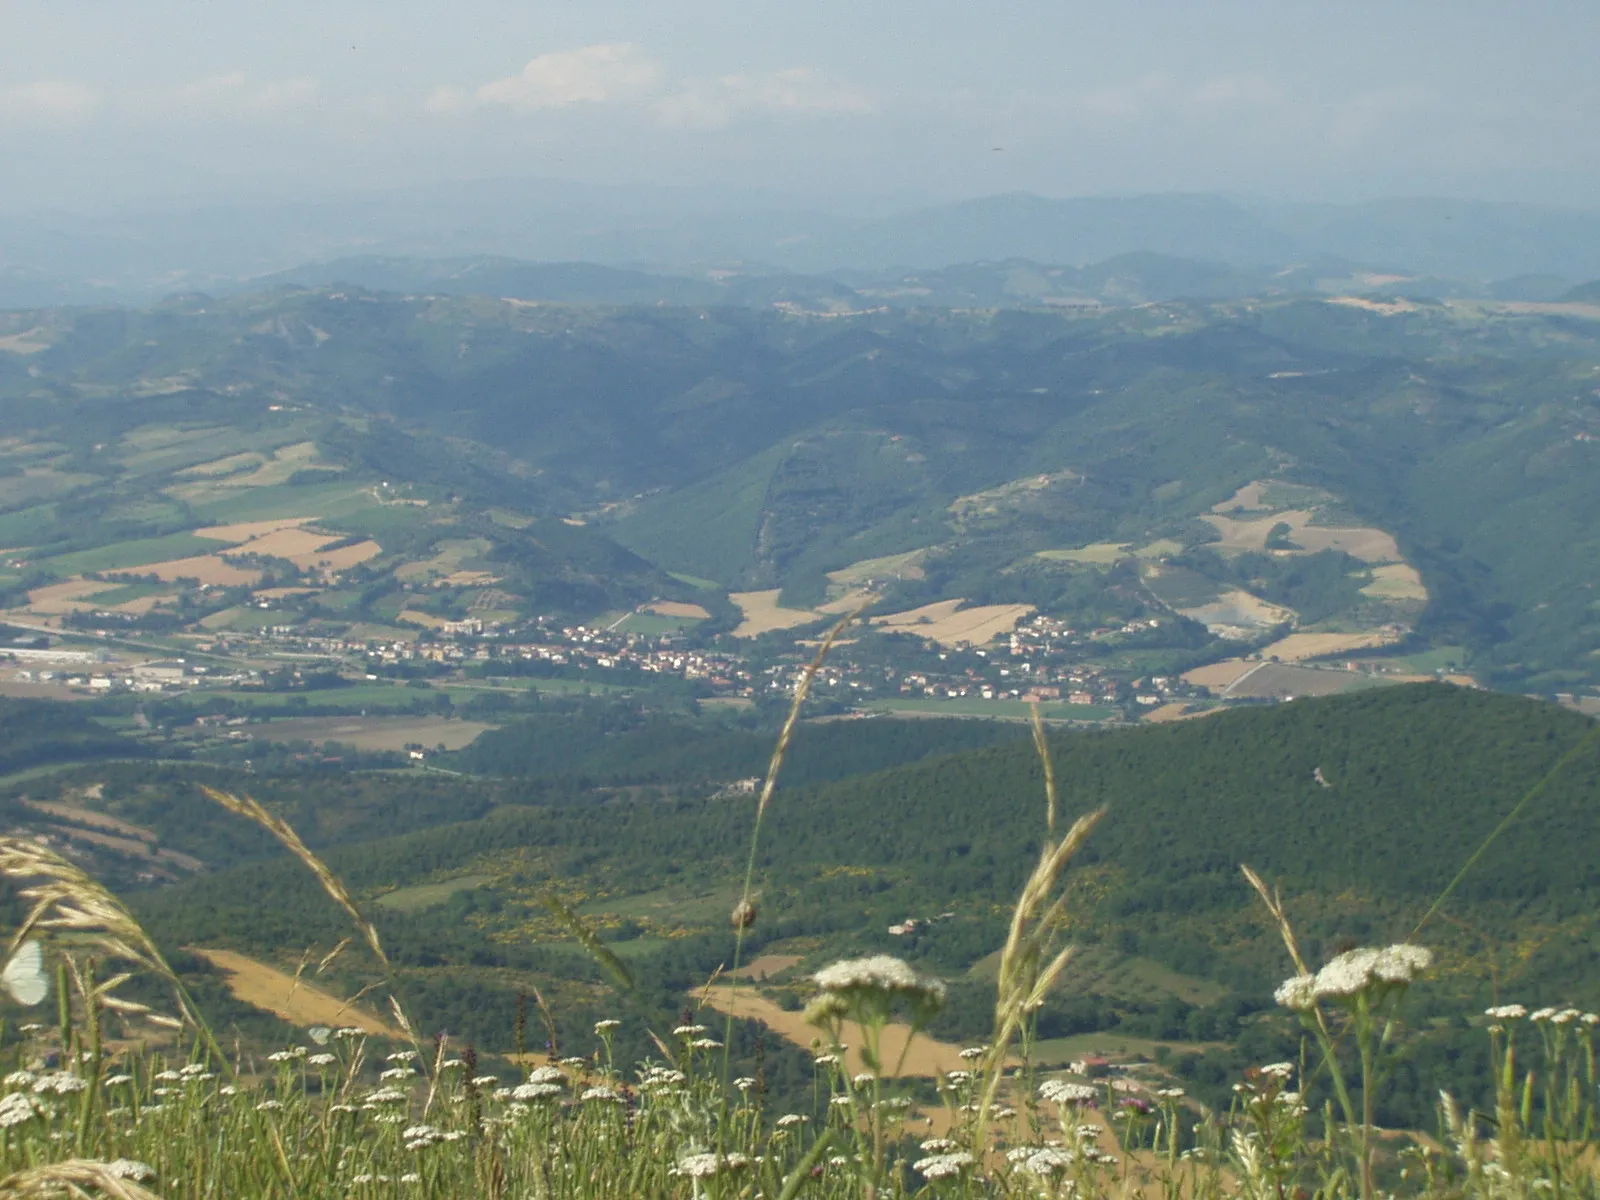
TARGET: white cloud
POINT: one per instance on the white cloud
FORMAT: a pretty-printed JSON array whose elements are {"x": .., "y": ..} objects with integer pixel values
[
  {"x": 588, "y": 75},
  {"x": 1236, "y": 91},
  {"x": 47, "y": 101},
  {"x": 714, "y": 103},
  {"x": 1135, "y": 98},
  {"x": 233, "y": 94}
]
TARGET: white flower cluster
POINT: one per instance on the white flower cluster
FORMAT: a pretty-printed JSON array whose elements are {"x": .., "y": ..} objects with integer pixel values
[
  {"x": 131, "y": 1169},
  {"x": 62, "y": 1083},
  {"x": 1355, "y": 972},
  {"x": 606, "y": 1026},
  {"x": 881, "y": 973},
  {"x": 604, "y": 1095},
  {"x": 1060, "y": 1091},
  {"x": 546, "y": 1075},
  {"x": 789, "y": 1120},
  {"x": 943, "y": 1166},
  {"x": 1047, "y": 1162},
  {"x": 15, "y": 1109},
  {"x": 535, "y": 1091},
  {"x": 704, "y": 1166}
]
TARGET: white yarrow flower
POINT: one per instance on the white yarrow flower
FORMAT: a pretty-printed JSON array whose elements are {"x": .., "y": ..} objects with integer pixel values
[
  {"x": 943, "y": 1166},
  {"x": 535, "y": 1091},
  {"x": 1061, "y": 1091},
  {"x": 1298, "y": 993}
]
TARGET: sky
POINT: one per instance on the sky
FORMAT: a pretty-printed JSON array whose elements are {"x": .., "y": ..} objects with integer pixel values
[{"x": 112, "y": 103}]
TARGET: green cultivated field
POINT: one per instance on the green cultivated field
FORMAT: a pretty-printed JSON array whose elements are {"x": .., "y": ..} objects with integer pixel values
[{"x": 133, "y": 554}]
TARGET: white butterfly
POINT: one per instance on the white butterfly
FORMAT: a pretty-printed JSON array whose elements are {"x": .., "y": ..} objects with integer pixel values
[{"x": 24, "y": 976}]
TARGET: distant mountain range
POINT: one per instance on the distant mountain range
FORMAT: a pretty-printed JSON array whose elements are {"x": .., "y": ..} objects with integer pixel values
[{"x": 63, "y": 258}]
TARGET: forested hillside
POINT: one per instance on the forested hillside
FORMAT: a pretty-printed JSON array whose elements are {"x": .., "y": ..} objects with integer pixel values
[{"x": 1412, "y": 780}]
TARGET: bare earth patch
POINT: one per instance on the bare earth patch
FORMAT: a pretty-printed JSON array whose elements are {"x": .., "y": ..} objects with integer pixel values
[
  {"x": 762, "y": 614},
  {"x": 848, "y": 603},
  {"x": 926, "y": 1057},
  {"x": 297, "y": 1002},
  {"x": 764, "y": 965},
  {"x": 1177, "y": 711},
  {"x": 207, "y": 568},
  {"x": 245, "y": 531},
  {"x": 66, "y": 597},
  {"x": 1299, "y": 646},
  {"x": 1217, "y": 675}
]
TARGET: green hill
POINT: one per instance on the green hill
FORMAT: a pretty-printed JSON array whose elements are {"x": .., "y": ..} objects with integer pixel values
[{"x": 763, "y": 447}]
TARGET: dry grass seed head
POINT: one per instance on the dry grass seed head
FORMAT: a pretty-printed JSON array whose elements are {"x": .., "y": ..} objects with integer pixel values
[{"x": 74, "y": 1177}]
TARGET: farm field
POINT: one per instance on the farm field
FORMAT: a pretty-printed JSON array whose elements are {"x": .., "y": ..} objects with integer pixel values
[
  {"x": 1299, "y": 646},
  {"x": 762, "y": 614},
  {"x": 1284, "y": 681},
  {"x": 947, "y": 623},
  {"x": 297, "y": 1001},
  {"x": 374, "y": 733}
]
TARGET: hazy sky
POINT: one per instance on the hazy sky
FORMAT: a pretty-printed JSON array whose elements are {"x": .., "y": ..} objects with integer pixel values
[{"x": 115, "y": 101}]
